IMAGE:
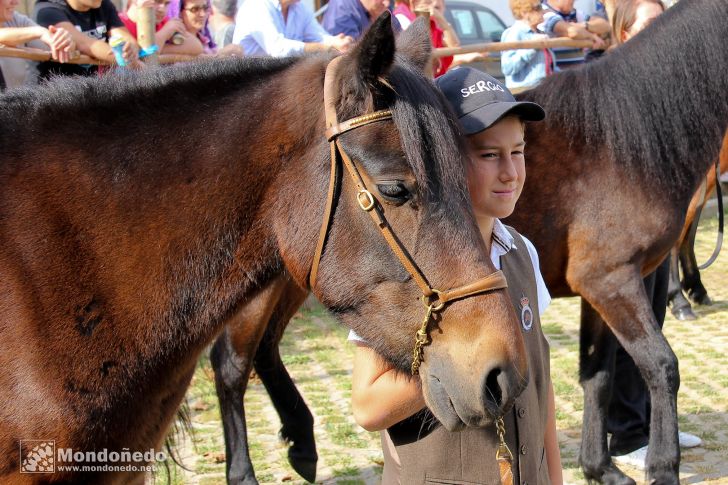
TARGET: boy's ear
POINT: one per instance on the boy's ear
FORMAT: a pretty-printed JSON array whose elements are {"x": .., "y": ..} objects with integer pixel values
[{"x": 414, "y": 45}]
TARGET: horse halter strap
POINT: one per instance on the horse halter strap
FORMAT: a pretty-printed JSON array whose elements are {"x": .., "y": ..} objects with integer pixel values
[{"x": 433, "y": 299}]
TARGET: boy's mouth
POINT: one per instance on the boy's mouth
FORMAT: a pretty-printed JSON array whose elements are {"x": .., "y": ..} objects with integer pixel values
[{"x": 504, "y": 193}]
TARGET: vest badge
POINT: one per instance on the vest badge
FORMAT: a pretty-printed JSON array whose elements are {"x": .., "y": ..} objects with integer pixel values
[{"x": 526, "y": 314}]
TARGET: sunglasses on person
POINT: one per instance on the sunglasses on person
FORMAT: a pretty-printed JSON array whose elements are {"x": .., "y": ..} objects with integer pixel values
[{"x": 196, "y": 9}]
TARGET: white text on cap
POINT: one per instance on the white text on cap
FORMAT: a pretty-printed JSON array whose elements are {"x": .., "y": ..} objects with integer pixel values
[{"x": 479, "y": 87}]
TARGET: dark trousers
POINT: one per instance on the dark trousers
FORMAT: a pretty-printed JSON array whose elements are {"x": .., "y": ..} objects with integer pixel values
[{"x": 628, "y": 418}]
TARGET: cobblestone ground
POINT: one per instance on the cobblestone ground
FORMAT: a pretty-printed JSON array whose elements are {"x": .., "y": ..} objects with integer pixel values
[{"x": 318, "y": 357}]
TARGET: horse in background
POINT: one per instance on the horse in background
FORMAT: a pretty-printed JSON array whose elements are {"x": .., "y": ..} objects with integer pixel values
[
  {"x": 682, "y": 256},
  {"x": 594, "y": 166},
  {"x": 122, "y": 259}
]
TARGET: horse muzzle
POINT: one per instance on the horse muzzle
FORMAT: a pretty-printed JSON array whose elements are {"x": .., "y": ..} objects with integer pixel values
[{"x": 481, "y": 392}]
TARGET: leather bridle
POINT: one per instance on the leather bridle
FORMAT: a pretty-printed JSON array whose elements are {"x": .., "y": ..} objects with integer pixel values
[{"x": 433, "y": 299}]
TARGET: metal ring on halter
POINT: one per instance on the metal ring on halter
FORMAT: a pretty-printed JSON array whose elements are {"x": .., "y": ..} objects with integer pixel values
[
  {"x": 431, "y": 304},
  {"x": 369, "y": 200}
]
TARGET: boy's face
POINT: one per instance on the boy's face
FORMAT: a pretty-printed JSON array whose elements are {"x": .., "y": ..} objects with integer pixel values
[{"x": 497, "y": 170}]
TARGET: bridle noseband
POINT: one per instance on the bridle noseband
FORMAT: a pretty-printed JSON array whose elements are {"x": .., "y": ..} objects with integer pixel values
[{"x": 433, "y": 299}]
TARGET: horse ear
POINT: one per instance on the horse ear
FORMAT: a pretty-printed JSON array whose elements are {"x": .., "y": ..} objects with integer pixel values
[
  {"x": 414, "y": 45},
  {"x": 374, "y": 53}
]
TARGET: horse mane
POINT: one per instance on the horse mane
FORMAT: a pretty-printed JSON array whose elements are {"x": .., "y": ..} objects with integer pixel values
[
  {"x": 656, "y": 104},
  {"x": 65, "y": 101},
  {"x": 138, "y": 90}
]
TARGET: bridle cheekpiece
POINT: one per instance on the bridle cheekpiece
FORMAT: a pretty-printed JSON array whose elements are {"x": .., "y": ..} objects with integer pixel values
[{"x": 433, "y": 299}]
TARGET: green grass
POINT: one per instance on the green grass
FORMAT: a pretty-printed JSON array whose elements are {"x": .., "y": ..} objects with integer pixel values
[{"x": 318, "y": 357}]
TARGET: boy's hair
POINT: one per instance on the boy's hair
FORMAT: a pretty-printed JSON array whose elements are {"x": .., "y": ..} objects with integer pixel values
[
  {"x": 625, "y": 14},
  {"x": 521, "y": 8}
]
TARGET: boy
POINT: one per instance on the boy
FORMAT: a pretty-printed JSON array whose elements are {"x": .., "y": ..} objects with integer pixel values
[{"x": 420, "y": 449}]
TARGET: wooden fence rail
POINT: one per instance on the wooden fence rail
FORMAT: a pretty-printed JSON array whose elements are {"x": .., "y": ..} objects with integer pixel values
[
  {"x": 508, "y": 46},
  {"x": 41, "y": 55}
]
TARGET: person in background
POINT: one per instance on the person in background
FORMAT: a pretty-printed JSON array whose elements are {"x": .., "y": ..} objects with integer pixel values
[
  {"x": 561, "y": 19},
  {"x": 281, "y": 28},
  {"x": 631, "y": 17},
  {"x": 442, "y": 33},
  {"x": 628, "y": 417},
  {"x": 91, "y": 23},
  {"x": 524, "y": 68},
  {"x": 166, "y": 28},
  {"x": 17, "y": 30},
  {"x": 222, "y": 21},
  {"x": 194, "y": 15},
  {"x": 353, "y": 17}
]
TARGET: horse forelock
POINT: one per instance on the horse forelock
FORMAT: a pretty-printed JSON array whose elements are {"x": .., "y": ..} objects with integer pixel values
[
  {"x": 429, "y": 135},
  {"x": 655, "y": 105}
]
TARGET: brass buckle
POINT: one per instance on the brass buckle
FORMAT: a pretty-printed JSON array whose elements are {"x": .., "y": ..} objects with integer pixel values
[
  {"x": 431, "y": 304},
  {"x": 369, "y": 202}
]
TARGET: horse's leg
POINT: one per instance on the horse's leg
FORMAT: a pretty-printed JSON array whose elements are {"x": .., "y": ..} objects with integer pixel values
[
  {"x": 296, "y": 418},
  {"x": 596, "y": 363},
  {"x": 621, "y": 300},
  {"x": 679, "y": 305},
  {"x": 232, "y": 359},
  {"x": 691, "y": 282}
]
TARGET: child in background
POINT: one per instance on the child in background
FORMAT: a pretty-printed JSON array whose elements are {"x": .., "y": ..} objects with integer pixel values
[{"x": 524, "y": 68}]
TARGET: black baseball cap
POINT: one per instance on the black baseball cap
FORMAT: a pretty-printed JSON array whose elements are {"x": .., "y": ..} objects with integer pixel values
[{"x": 479, "y": 99}]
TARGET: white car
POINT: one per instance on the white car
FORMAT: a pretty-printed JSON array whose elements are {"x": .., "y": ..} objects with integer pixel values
[{"x": 476, "y": 22}]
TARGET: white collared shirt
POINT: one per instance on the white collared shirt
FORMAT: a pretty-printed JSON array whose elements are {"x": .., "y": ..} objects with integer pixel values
[
  {"x": 261, "y": 31},
  {"x": 503, "y": 243}
]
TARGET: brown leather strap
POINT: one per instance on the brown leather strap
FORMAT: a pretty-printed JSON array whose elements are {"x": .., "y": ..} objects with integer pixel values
[
  {"x": 326, "y": 219},
  {"x": 376, "y": 214},
  {"x": 329, "y": 92},
  {"x": 369, "y": 203},
  {"x": 333, "y": 131},
  {"x": 494, "y": 281}
]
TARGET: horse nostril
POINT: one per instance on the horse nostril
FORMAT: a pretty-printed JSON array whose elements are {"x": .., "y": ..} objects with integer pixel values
[{"x": 493, "y": 392}]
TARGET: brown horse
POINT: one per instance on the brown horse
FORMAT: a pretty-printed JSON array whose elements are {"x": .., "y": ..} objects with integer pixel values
[
  {"x": 611, "y": 173},
  {"x": 682, "y": 256},
  {"x": 140, "y": 213}
]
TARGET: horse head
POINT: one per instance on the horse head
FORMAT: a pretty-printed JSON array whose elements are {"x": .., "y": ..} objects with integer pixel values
[{"x": 408, "y": 174}]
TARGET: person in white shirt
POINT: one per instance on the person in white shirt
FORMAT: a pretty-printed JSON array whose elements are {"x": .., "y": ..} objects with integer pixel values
[
  {"x": 17, "y": 30},
  {"x": 282, "y": 28}
]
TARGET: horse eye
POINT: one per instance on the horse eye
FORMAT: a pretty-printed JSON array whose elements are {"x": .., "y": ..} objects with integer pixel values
[{"x": 395, "y": 193}]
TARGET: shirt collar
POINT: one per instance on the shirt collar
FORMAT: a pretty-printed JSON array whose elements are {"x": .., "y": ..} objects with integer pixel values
[
  {"x": 569, "y": 17},
  {"x": 502, "y": 239}
]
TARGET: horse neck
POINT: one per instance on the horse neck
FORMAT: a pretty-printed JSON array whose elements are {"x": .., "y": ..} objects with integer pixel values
[
  {"x": 191, "y": 231},
  {"x": 263, "y": 180}
]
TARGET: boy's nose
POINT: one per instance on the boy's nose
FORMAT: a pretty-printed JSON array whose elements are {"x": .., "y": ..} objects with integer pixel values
[{"x": 508, "y": 169}]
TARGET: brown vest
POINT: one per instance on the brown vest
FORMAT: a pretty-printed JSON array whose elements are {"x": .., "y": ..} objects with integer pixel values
[{"x": 430, "y": 454}]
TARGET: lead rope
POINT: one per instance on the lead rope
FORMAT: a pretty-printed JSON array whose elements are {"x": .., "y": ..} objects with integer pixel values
[
  {"x": 719, "y": 240},
  {"x": 503, "y": 456}
]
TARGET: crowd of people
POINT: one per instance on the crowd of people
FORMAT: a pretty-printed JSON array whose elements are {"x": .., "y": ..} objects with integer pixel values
[
  {"x": 267, "y": 27},
  {"x": 279, "y": 28},
  {"x": 493, "y": 123}
]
